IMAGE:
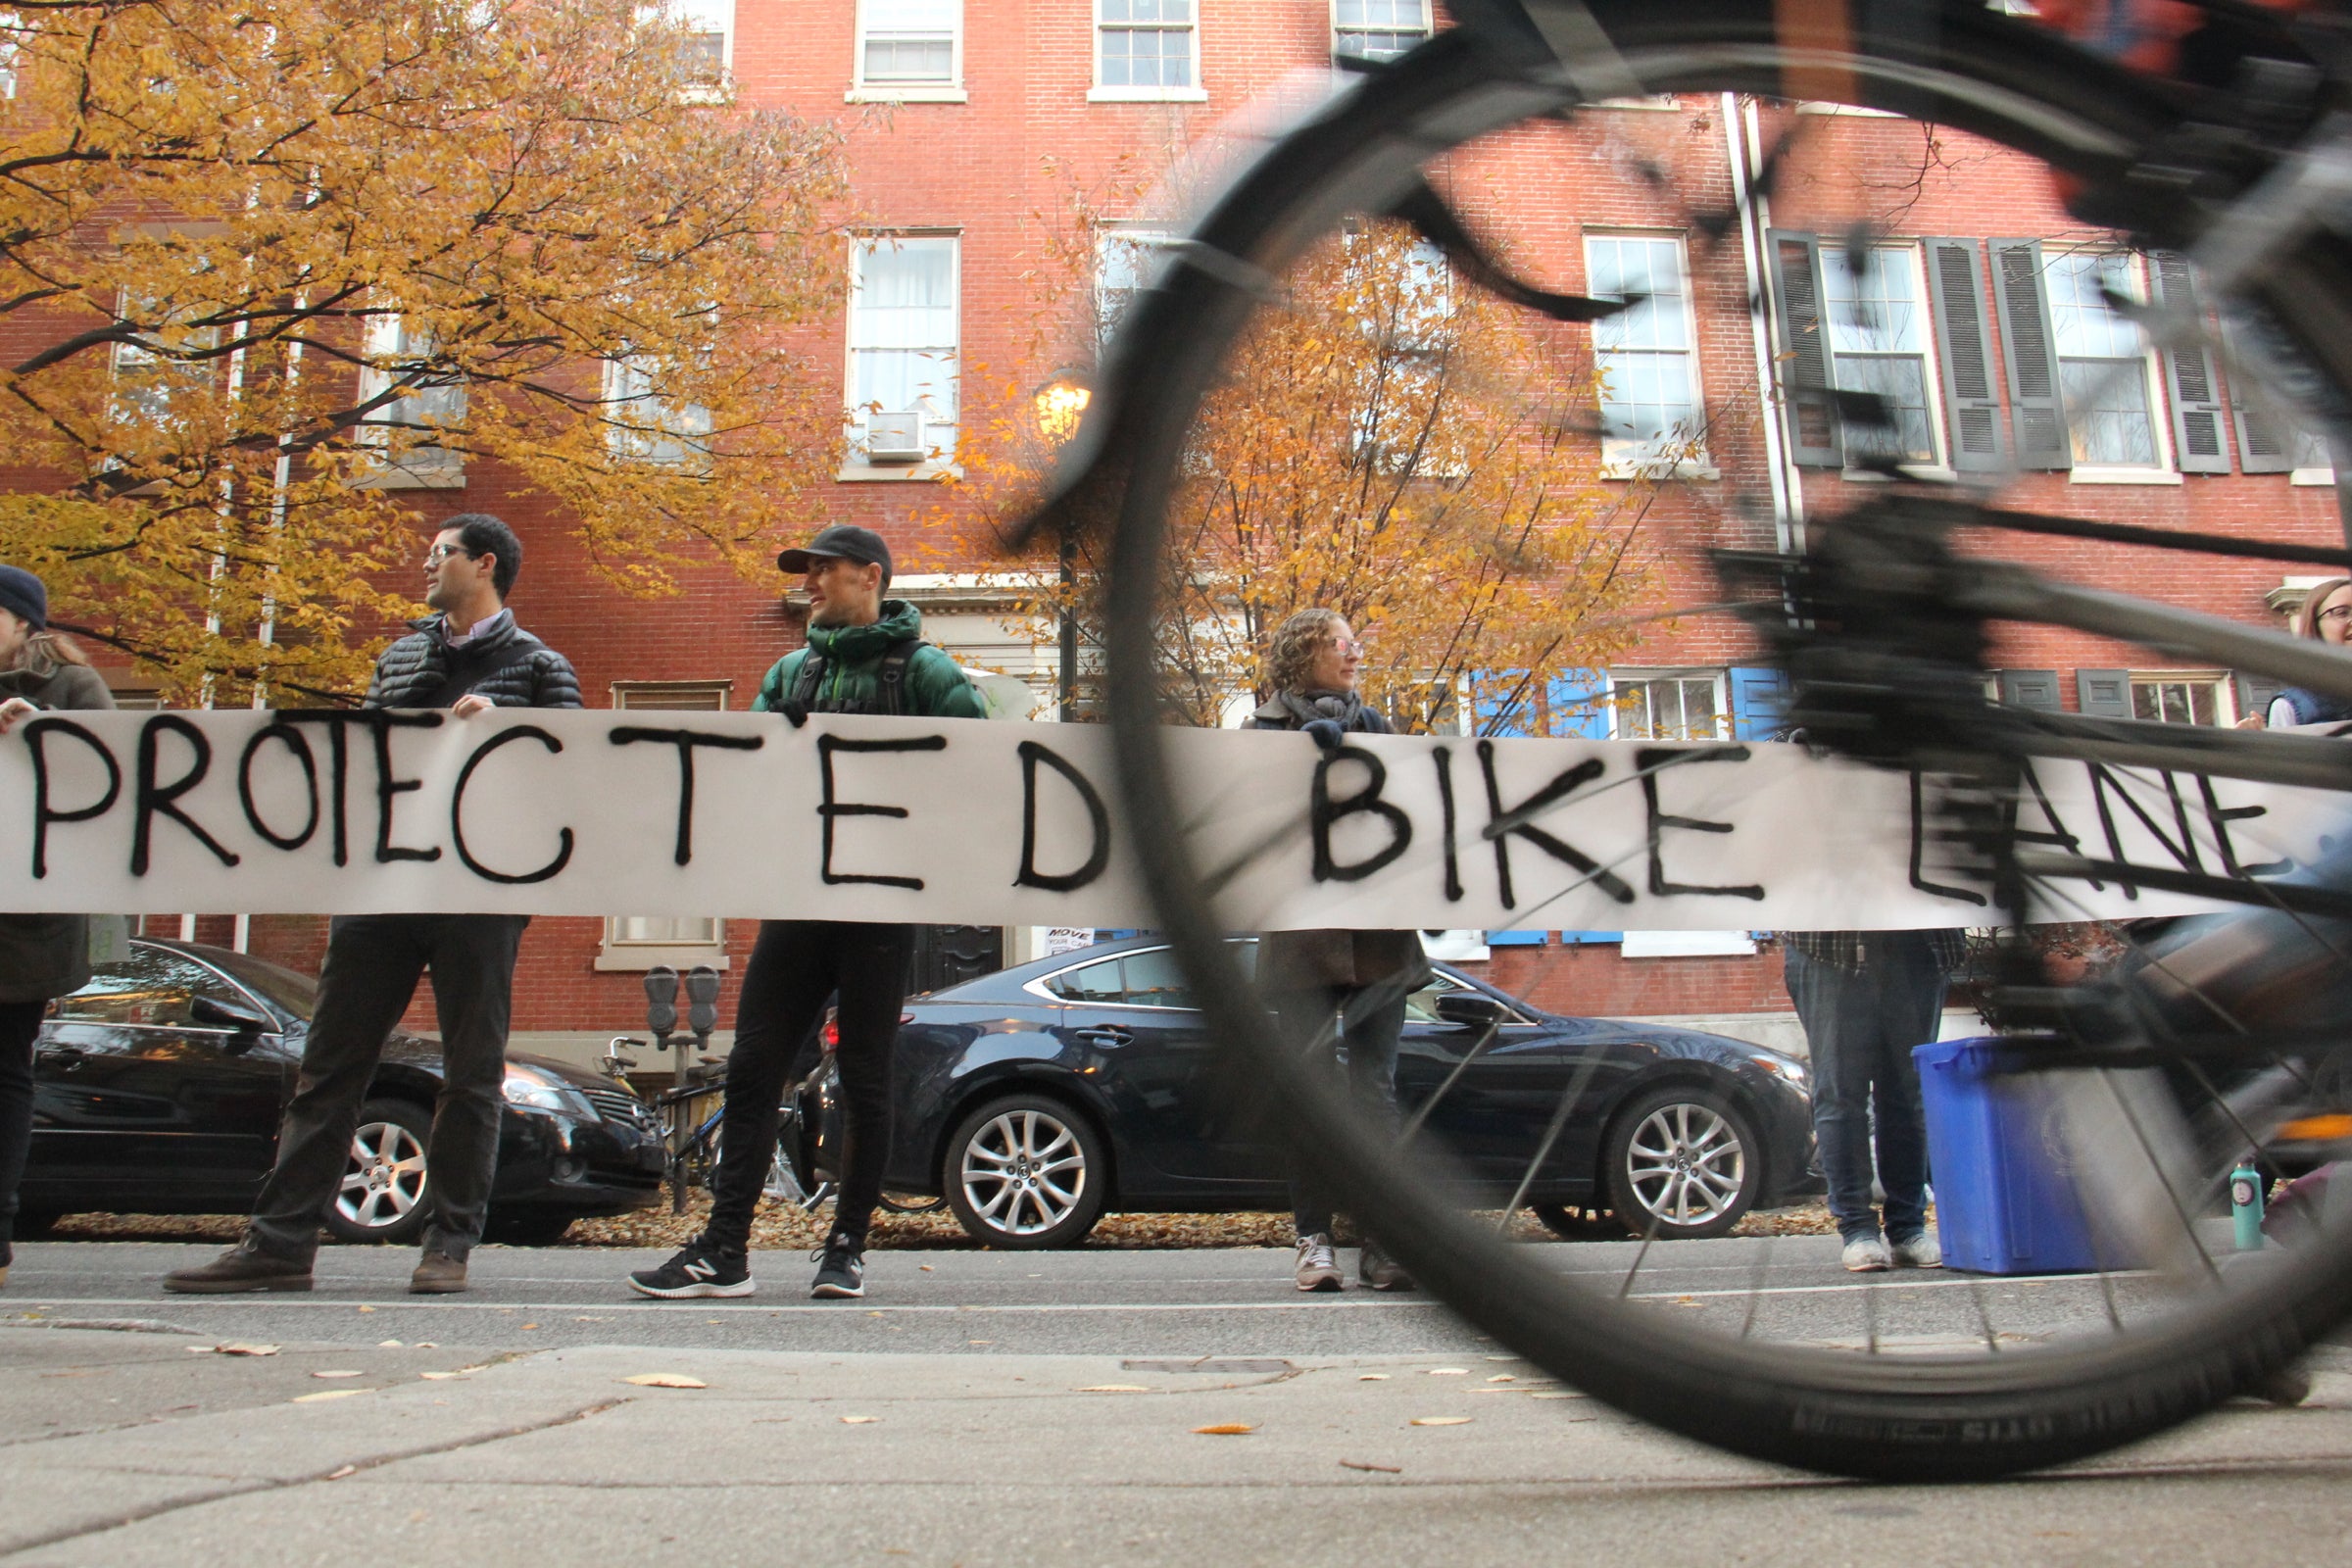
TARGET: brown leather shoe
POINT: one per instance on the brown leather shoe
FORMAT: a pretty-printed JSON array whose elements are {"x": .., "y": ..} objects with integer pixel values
[
  {"x": 240, "y": 1268},
  {"x": 437, "y": 1274}
]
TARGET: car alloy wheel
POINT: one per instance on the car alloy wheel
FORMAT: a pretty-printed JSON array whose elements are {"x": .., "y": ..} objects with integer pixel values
[
  {"x": 382, "y": 1198},
  {"x": 1683, "y": 1164},
  {"x": 1024, "y": 1172}
]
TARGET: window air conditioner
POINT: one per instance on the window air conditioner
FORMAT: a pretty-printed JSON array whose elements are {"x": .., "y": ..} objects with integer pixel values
[{"x": 896, "y": 437}]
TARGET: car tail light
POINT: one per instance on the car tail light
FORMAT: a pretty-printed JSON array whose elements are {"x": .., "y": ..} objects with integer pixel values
[{"x": 832, "y": 1033}]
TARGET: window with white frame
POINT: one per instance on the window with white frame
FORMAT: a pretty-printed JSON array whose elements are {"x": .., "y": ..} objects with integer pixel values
[
  {"x": 11, "y": 25},
  {"x": 2176, "y": 697},
  {"x": 399, "y": 359},
  {"x": 903, "y": 336},
  {"x": 642, "y": 423},
  {"x": 1646, "y": 354},
  {"x": 1127, "y": 262},
  {"x": 1377, "y": 29},
  {"x": 151, "y": 371},
  {"x": 909, "y": 43},
  {"x": 709, "y": 26},
  {"x": 2103, "y": 363},
  {"x": 642, "y": 941},
  {"x": 1145, "y": 45},
  {"x": 1672, "y": 705},
  {"x": 1880, "y": 336}
]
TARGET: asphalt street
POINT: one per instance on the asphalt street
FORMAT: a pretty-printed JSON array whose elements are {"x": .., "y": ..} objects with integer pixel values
[{"x": 980, "y": 1408}]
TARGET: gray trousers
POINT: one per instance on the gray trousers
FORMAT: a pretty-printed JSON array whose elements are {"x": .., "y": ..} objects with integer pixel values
[{"x": 373, "y": 963}]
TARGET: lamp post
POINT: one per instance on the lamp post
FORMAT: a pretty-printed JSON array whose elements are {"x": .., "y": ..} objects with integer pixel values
[{"x": 1060, "y": 400}]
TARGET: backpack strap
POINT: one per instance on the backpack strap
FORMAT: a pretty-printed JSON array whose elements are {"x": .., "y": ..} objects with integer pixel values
[
  {"x": 807, "y": 678},
  {"x": 892, "y": 700}
]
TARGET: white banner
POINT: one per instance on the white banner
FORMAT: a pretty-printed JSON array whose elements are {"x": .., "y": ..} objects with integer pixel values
[{"x": 960, "y": 822}]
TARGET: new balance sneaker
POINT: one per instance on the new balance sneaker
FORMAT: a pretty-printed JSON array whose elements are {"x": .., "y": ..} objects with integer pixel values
[
  {"x": 1914, "y": 1251},
  {"x": 840, "y": 1268},
  {"x": 1319, "y": 1268},
  {"x": 1382, "y": 1272},
  {"x": 1866, "y": 1254},
  {"x": 697, "y": 1270}
]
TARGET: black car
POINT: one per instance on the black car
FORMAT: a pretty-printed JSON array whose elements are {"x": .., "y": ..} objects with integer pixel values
[
  {"x": 1035, "y": 1098},
  {"x": 157, "y": 1089}
]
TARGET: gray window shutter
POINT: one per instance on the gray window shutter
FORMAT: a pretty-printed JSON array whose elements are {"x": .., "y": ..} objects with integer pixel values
[
  {"x": 2104, "y": 693},
  {"x": 1803, "y": 379},
  {"x": 2261, "y": 446},
  {"x": 2032, "y": 351},
  {"x": 2198, "y": 444},
  {"x": 2032, "y": 688},
  {"x": 1972, "y": 404},
  {"x": 2254, "y": 693}
]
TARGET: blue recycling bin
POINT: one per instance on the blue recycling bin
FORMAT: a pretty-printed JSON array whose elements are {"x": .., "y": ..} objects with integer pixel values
[{"x": 2005, "y": 1199}]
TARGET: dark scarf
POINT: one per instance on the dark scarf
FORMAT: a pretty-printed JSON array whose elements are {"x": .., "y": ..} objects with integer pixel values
[{"x": 1345, "y": 706}]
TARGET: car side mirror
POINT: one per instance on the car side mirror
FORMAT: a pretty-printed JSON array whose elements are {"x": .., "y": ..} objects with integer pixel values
[
  {"x": 244, "y": 1022},
  {"x": 1470, "y": 1008}
]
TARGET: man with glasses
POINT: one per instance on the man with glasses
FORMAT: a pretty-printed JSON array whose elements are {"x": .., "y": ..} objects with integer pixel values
[
  {"x": 469, "y": 657},
  {"x": 865, "y": 655}
]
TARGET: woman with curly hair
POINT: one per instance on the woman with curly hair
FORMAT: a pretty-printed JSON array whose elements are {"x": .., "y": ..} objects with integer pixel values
[{"x": 1335, "y": 988}]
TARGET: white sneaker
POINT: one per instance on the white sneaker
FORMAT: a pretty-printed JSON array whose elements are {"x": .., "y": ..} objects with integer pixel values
[
  {"x": 1866, "y": 1254},
  {"x": 1920, "y": 1252},
  {"x": 1319, "y": 1268}
]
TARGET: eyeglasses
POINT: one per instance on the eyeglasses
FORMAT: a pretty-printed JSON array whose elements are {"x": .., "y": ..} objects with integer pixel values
[
  {"x": 1350, "y": 645},
  {"x": 440, "y": 552},
  {"x": 2336, "y": 613}
]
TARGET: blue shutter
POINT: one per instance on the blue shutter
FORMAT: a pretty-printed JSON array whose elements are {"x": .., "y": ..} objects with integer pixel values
[
  {"x": 1514, "y": 939},
  {"x": 1581, "y": 939},
  {"x": 1759, "y": 699},
  {"x": 1578, "y": 708},
  {"x": 1488, "y": 711}
]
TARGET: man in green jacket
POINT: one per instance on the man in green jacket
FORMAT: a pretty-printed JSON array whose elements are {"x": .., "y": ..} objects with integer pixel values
[{"x": 865, "y": 655}]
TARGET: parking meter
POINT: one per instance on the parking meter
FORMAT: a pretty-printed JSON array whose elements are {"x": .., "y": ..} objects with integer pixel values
[
  {"x": 660, "y": 1003},
  {"x": 702, "y": 1004}
]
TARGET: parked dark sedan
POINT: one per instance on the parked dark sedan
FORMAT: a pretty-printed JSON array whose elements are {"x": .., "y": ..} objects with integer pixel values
[
  {"x": 1035, "y": 1098},
  {"x": 157, "y": 1088}
]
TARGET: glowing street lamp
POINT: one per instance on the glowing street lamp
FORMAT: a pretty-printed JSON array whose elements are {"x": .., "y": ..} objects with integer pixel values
[{"x": 1059, "y": 401}]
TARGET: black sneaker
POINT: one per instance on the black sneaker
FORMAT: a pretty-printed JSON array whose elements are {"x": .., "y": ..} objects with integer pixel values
[
  {"x": 840, "y": 1268},
  {"x": 697, "y": 1270}
]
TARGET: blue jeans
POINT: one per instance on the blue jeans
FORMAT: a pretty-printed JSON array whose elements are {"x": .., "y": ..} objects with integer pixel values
[{"x": 1860, "y": 1025}]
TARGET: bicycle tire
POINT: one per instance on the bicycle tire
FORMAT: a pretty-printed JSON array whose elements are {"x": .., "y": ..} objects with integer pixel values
[{"x": 1925, "y": 1420}]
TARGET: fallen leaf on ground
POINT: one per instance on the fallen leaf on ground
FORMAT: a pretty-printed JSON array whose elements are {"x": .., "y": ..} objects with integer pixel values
[
  {"x": 240, "y": 1347},
  {"x": 338, "y": 1374},
  {"x": 1225, "y": 1429},
  {"x": 1114, "y": 1388},
  {"x": 925, "y": 1268},
  {"x": 666, "y": 1380},
  {"x": 346, "y": 1470},
  {"x": 1441, "y": 1420},
  {"x": 387, "y": 1344},
  {"x": 530, "y": 1325},
  {"x": 1371, "y": 1376},
  {"x": 329, "y": 1394},
  {"x": 1365, "y": 1464},
  {"x": 1449, "y": 1371},
  {"x": 427, "y": 1344},
  {"x": 1502, "y": 1377},
  {"x": 860, "y": 1420},
  {"x": 366, "y": 1308},
  {"x": 437, "y": 1376}
]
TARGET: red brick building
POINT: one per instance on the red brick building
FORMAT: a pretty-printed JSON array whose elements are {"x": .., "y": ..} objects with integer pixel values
[{"x": 969, "y": 125}]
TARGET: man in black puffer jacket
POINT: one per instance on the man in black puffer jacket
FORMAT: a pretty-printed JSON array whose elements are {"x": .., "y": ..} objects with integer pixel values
[{"x": 373, "y": 963}]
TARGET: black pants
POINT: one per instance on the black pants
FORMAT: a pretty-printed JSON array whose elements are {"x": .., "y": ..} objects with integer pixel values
[
  {"x": 373, "y": 963},
  {"x": 20, "y": 1023},
  {"x": 1375, "y": 1024},
  {"x": 795, "y": 966}
]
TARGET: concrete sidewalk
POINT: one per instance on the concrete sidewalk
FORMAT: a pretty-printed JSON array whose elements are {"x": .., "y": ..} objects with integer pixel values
[{"x": 124, "y": 1448}]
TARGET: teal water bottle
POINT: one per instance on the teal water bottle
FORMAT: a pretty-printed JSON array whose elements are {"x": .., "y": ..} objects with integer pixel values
[{"x": 2245, "y": 1206}]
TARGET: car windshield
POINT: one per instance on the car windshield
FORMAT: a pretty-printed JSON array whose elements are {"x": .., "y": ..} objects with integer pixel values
[{"x": 282, "y": 988}]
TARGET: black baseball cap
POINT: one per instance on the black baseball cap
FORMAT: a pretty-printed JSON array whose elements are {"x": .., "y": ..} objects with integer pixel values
[{"x": 843, "y": 541}]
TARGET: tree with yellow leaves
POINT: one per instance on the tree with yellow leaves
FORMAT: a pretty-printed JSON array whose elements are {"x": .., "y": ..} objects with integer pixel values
[
  {"x": 269, "y": 267},
  {"x": 1393, "y": 444}
]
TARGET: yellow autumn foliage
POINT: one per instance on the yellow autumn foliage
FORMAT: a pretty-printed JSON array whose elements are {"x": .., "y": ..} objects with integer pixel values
[{"x": 269, "y": 267}]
